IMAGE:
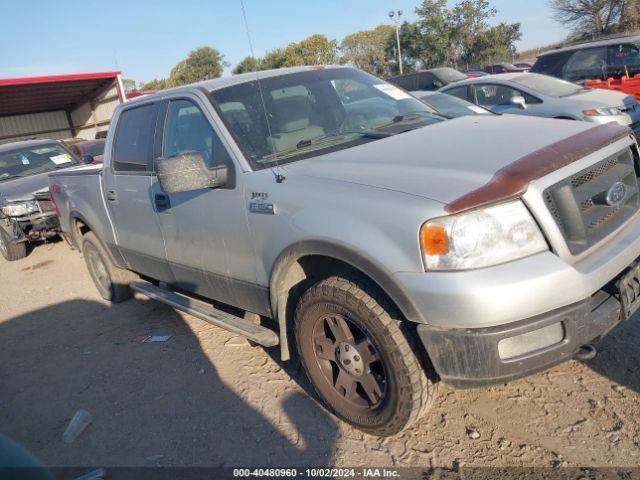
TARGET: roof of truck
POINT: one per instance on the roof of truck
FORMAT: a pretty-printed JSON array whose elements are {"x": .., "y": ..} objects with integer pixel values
[
  {"x": 597, "y": 43},
  {"x": 222, "y": 82}
]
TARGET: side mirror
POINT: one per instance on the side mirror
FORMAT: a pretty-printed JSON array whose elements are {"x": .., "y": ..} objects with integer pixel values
[
  {"x": 87, "y": 159},
  {"x": 519, "y": 101},
  {"x": 187, "y": 172}
]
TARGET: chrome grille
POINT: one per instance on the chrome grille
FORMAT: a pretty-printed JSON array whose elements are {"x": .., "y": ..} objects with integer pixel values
[{"x": 579, "y": 203}]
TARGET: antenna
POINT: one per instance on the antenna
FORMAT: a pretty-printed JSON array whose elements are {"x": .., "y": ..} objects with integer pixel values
[{"x": 278, "y": 175}]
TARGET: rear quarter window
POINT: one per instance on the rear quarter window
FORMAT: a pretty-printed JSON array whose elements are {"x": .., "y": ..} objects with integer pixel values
[
  {"x": 552, "y": 64},
  {"x": 133, "y": 145}
]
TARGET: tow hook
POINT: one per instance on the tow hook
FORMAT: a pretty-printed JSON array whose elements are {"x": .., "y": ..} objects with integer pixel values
[{"x": 586, "y": 352}]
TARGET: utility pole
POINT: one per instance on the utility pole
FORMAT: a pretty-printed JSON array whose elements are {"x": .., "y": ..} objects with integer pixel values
[{"x": 395, "y": 18}]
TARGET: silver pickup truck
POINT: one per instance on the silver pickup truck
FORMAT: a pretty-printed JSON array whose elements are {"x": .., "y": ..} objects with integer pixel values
[{"x": 330, "y": 213}]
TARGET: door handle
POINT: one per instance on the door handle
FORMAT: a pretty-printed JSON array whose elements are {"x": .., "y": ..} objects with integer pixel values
[
  {"x": 162, "y": 201},
  {"x": 112, "y": 196}
]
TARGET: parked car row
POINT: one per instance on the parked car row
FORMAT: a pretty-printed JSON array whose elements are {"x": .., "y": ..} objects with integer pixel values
[
  {"x": 545, "y": 96},
  {"x": 328, "y": 211}
]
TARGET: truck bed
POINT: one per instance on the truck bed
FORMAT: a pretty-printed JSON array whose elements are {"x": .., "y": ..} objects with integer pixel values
[{"x": 78, "y": 194}]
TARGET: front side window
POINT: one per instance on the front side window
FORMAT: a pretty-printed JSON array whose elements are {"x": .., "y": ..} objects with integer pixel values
[
  {"x": 624, "y": 59},
  {"x": 188, "y": 130},
  {"x": 134, "y": 139},
  {"x": 294, "y": 116},
  {"x": 460, "y": 92},
  {"x": 489, "y": 95},
  {"x": 26, "y": 161}
]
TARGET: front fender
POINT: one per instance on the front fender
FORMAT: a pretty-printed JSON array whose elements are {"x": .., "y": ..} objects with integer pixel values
[{"x": 359, "y": 261}]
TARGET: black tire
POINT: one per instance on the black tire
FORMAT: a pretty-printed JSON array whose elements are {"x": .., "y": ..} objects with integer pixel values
[
  {"x": 112, "y": 282},
  {"x": 373, "y": 380},
  {"x": 11, "y": 251}
]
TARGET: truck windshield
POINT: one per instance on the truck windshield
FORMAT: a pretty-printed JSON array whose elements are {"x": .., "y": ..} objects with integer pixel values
[
  {"x": 26, "y": 161},
  {"x": 294, "y": 116}
]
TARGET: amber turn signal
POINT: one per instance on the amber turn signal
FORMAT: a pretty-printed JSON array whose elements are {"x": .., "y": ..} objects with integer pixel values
[{"x": 435, "y": 240}]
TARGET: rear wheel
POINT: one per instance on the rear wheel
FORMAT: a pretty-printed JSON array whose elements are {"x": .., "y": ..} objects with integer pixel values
[
  {"x": 11, "y": 251},
  {"x": 111, "y": 281},
  {"x": 359, "y": 361}
]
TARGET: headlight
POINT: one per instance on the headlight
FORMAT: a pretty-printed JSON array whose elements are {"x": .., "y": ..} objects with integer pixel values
[
  {"x": 20, "y": 209},
  {"x": 595, "y": 112},
  {"x": 481, "y": 238}
]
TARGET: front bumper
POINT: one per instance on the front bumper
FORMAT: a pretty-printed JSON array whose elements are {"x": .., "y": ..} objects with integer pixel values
[
  {"x": 466, "y": 358},
  {"x": 34, "y": 227}
]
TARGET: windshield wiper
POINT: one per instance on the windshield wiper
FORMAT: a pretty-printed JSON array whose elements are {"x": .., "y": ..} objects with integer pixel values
[
  {"x": 322, "y": 141},
  {"x": 364, "y": 134}
]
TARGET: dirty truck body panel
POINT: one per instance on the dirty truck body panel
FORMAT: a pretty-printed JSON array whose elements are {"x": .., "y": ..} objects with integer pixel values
[{"x": 370, "y": 206}]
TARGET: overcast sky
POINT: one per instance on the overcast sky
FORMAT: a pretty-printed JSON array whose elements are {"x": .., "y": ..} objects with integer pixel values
[{"x": 144, "y": 39}]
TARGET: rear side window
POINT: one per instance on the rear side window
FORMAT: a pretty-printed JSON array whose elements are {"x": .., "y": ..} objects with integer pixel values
[
  {"x": 587, "y": 64},
  {"x": 134, "y": 139}
]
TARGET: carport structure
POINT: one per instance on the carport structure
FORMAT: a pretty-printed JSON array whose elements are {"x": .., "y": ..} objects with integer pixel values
[{"x": 59, "y": 106}]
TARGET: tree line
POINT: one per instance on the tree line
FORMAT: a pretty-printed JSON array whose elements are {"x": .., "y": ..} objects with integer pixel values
[
  {"x": 590, "y": 19},
  {"x": 460, "y": 36}
]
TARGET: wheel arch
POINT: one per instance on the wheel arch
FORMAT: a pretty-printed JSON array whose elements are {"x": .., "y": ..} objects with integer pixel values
[
  {"x": 307, "y": 262},
  {"x": 79, "y": 226}
]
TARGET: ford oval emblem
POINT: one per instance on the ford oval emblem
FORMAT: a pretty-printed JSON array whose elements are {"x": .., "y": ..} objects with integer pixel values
[{"x": 616, "y": 194}]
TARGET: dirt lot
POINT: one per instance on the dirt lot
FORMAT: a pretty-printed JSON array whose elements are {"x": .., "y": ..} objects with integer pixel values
[{"x": 204, "y": 398}]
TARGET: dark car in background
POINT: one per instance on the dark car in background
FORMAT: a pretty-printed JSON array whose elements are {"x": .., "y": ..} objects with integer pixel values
[
  {"x": 27, "y": 213},
  {"x": 89, "y": 151},
  {"x": 504, "y": 68},
  {"x": 427, "y": 80},
  {"x": 614, "y": 57}
]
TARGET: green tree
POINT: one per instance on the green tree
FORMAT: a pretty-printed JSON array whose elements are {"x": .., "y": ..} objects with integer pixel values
[
  {"x": 247, "y": 64},
  {"x": 496, "y": 44},
  {"x": 368, "y": 49},
  {"x": 273, "y": 59},
  {"x": 155, "y": 84},
  {"x": 428, "y": 41},
  {"x": 204, "y": 63},
  {"x": 314, "y": 50},
  {"x": 470, "y": 20},
  {"x": 129, "y": 85},
  {"x": 458, "y": 36},
  {"x": 589, "y": 18}
]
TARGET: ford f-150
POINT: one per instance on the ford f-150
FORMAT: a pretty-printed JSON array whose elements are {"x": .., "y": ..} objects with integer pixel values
[{"x": 324, "y": 210}]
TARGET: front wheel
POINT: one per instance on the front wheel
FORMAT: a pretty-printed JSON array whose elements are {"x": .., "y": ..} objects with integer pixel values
[
  {"x": 358, "y": 359},
  {"x": 11, "y": 251},
  {"x": 111, "y": 281}
]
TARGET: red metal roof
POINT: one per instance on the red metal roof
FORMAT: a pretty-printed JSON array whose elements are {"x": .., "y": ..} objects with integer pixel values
[{"x": 55, "y": 92}]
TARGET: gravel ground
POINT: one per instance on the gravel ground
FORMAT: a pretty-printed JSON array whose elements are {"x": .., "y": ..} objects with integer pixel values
[{"x": 207, "y": 398}]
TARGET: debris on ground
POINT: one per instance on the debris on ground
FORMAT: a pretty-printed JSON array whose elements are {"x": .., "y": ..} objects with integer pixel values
[
  {"x": 78, "y": 423},
  {"x": 156, "y": 338},
  {"x": 473, "y": 433}
]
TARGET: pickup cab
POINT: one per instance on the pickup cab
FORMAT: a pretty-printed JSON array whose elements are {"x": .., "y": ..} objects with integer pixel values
[{"x": 326, "y": 211}]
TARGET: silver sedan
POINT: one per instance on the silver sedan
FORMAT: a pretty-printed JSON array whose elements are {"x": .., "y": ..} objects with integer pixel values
[{"x": 544, "y": 96}]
